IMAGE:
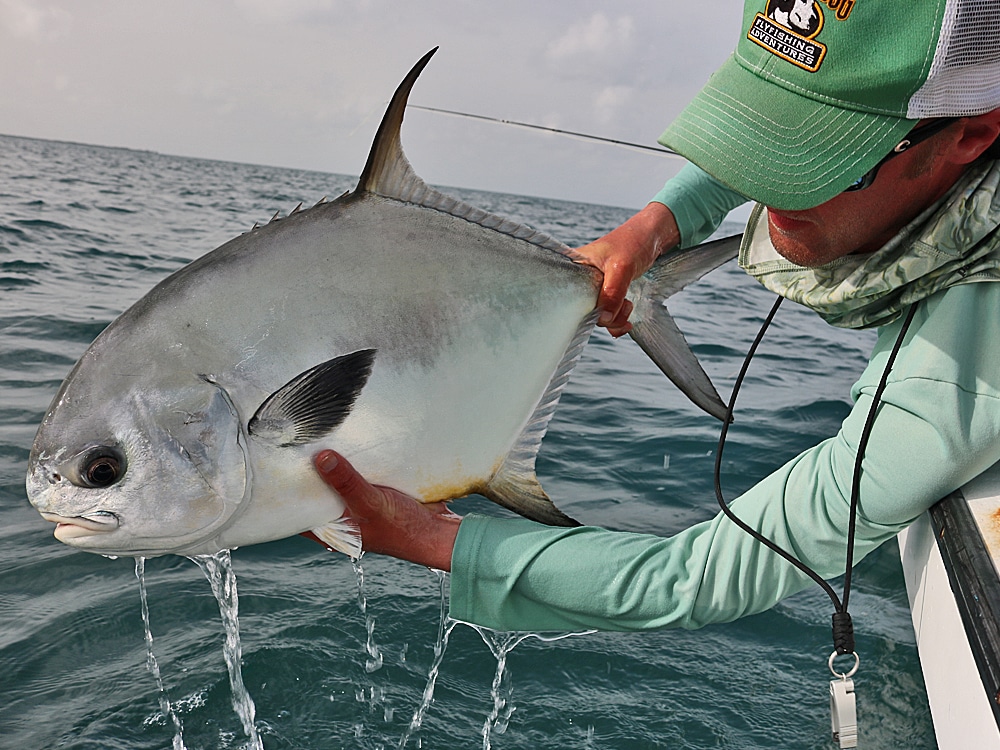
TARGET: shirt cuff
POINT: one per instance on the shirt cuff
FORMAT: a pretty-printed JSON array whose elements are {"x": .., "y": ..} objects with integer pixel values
[{"x": 698, "y": 202}]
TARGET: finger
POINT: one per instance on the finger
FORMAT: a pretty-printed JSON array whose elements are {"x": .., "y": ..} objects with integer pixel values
[
  {"x": 617, "y": 331},
  {"x": 620, "y": 324},
  {"x": 612, "y": 296},
  {"x": 337, "y": 472}
]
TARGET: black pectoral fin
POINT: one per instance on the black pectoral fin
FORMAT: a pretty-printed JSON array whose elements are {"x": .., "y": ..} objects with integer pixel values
[{"x": 314, "y": 403}]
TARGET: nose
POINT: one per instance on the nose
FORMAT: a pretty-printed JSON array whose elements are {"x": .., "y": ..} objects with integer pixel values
[{"x": 40, "y": 480}]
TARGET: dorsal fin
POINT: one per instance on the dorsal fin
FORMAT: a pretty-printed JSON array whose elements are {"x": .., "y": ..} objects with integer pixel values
[
  {"x": 387, "y": 167},
  {"x": 388, "y": 173}
]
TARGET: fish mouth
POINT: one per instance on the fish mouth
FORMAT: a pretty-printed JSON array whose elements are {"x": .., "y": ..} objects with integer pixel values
[{"x": 71, "y": 527}]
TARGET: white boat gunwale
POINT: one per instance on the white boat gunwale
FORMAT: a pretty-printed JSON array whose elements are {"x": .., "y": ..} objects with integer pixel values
[
  {"x": 950, "y": 558},
  {"x": 976, "y": 585}
]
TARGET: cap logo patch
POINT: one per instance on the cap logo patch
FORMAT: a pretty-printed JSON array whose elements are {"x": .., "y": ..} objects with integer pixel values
[{"x": 788, "y": 28}]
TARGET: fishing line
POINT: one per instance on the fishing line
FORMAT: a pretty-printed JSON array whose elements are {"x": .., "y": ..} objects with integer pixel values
[
  {"x": 843, "y": 634},
  {"x": 570, "y": 133}
]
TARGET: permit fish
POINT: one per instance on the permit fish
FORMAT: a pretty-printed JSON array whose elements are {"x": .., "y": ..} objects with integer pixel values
[{"x": 426, "y": 340}]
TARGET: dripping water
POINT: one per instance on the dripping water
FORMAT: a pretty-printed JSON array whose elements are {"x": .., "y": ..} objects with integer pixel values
[
  {"x": 502, "y": 690},
  {"x": 445, "y": 626},
  {"x": 373, "y": 695},
  {"x": 151, "y": 664},
  {"x": 374, "y": 662},
  {"x": 218, "y": 569}
]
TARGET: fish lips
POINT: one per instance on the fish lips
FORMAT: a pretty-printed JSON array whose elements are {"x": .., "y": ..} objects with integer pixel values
[{"x": 69, "y": 529}]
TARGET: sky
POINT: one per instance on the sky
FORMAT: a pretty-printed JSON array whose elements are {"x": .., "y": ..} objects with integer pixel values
[{"x": 303, "y": 83}]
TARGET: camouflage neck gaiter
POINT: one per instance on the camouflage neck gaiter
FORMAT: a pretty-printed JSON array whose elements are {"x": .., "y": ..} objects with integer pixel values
[{"x": 954, "y": 241}]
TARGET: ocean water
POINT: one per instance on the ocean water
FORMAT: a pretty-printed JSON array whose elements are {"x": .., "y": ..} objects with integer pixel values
[{"x": 85, "y": 231}]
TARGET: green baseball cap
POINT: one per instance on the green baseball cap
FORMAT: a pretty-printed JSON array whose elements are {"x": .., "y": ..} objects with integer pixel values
[{"x": 819, "y": 91}]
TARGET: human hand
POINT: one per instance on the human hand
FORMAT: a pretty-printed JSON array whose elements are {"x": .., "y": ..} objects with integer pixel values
[
  {"x": 392, "y": 522},
  {"x": 623, "y": 255}
]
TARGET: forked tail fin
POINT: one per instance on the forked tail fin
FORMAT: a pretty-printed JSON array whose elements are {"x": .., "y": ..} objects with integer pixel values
[{"x": 655, "y": 331}]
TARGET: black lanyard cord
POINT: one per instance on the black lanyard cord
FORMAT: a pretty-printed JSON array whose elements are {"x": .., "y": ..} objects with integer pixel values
[
  {"x": 843, "y": 630},
  {"x": 863, "y": 444}
]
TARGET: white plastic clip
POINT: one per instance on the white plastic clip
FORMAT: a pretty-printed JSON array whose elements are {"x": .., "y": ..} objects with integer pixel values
[{"x": 843, "y": 708}]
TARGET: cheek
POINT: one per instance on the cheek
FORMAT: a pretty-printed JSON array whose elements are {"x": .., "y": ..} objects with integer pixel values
[
  {"x": 175, "y": 512},
  {"x": 165, "y": 495}
]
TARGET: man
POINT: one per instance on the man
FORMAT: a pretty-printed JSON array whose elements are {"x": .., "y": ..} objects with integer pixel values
[{"x": 865, "y": 141}]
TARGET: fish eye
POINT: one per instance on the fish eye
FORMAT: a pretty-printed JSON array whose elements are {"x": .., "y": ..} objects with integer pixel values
[{"x": 102, "y": 467}]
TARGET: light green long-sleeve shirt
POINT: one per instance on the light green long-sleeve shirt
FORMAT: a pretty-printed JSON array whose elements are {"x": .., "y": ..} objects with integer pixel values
[{"x": 936, "y": 429}]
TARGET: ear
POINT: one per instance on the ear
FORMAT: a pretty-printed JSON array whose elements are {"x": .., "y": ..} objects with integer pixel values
[{"x": 977, "y": 134}]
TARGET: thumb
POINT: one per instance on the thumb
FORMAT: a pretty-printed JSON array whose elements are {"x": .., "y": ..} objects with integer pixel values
[
  {"x": 338, "y": 473},
  {"x": 614, "y": 287}
]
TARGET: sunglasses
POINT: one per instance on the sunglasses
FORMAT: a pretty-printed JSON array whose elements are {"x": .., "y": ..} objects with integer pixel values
[{"x": 912, "y": 138}]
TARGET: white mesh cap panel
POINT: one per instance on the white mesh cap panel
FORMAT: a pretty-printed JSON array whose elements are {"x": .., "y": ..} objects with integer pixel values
[{"x": 964, "y": 77}]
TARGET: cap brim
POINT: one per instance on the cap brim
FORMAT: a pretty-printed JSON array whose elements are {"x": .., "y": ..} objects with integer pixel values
[{"x": 775, "y": 146}]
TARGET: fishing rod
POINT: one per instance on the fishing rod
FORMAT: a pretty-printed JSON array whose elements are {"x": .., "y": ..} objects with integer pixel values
[{"x": 557, "y": 131}]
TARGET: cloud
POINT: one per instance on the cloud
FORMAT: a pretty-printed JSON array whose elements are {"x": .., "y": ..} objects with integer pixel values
[
  {"x": 611, "y": 101},
  {"x": 599, "y": 35},
  {"x": 268, "y": 11},
  {"x": 27, "y": 20}
]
